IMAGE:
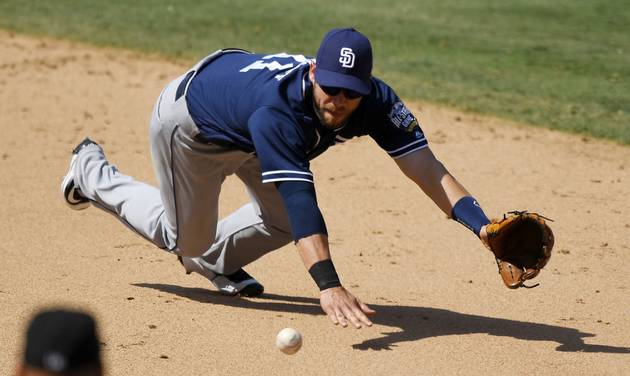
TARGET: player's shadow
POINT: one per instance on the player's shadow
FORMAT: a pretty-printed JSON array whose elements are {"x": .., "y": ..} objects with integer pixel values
[{"x": 415, "y": 322}]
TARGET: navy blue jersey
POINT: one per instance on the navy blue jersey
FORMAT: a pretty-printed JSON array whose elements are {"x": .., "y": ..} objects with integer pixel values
[{"x": 262, "y": 104}]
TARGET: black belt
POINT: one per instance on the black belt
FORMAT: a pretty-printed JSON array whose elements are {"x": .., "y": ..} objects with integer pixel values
[
  {"x": 202, "y": 139},
  {"x": 224, "y": 144},
  {"x": 181, "y": 88}
]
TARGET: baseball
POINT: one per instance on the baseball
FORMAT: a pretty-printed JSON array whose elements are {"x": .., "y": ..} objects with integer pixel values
[{"x": 289, "y": 341}]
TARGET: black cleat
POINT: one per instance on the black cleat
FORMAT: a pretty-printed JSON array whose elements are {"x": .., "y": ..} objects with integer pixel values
[
  {"x": 237, "y": 283},
  {"x": 71, "y": 193}
]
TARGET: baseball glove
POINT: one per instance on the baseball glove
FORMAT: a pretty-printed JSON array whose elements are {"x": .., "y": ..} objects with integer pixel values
[{"x": 522, "y": 244}]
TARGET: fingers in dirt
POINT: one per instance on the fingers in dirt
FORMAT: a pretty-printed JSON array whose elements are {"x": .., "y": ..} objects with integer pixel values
[{"x": 342, "y": 320}]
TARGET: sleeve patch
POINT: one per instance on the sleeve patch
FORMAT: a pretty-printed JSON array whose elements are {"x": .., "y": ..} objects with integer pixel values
[{"x": 402, "y": 118}]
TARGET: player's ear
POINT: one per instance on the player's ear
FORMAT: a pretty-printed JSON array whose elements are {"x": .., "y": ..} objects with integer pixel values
[{"x": 311, "y": 72}]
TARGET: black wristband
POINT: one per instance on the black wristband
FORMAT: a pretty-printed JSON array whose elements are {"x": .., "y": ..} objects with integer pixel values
[{"x": 324, "y": 274}]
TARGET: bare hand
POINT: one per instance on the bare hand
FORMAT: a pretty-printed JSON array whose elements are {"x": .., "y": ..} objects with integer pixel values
[{"x": 341, "y": 306}]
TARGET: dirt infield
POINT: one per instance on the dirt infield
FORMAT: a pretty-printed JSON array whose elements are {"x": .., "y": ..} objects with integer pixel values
[{"x": 441, "y": 307}]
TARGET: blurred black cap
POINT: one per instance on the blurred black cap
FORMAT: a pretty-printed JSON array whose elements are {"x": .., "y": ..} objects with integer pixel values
[{"x": 62, "y": 341}]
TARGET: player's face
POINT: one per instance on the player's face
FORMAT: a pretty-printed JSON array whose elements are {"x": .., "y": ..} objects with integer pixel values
[{"x": 332, "y": 110}]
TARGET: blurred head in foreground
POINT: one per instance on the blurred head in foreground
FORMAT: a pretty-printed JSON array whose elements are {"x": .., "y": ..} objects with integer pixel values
[{"x": 61, "y": 343}]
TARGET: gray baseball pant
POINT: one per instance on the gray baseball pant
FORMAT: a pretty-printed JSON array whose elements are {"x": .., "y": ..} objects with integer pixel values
[{"x": 181, "y": 215}]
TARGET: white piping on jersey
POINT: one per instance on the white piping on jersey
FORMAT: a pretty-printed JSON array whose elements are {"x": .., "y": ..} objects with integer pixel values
[
  {"x": 285, "y": 179},
  {"x": 316, "y": 142},
  {"x": 337, "y": 130},
  {"x": 410, "y": 151},
  {"x": 286, "y": 172},
  {"x": 406, "y": 146}
]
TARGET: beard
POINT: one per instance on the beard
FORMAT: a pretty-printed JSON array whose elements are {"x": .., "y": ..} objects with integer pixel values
[{"x": 327, "y": 119}]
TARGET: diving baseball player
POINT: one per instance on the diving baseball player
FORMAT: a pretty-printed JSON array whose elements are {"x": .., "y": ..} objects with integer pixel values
[{"x": 263, "y": 118}]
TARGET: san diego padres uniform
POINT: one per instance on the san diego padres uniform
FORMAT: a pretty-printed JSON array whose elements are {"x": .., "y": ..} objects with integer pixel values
[{"x": 246, "y": 114}]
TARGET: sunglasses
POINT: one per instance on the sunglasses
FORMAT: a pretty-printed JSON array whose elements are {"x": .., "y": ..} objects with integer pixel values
[{"x": 332, "y": 91}]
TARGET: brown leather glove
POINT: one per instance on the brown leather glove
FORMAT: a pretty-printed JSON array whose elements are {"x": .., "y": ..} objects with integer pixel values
[{"x": 522, "y": 244}]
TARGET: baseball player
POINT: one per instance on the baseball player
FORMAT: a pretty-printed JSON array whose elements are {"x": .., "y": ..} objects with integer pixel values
[{"x": 262, "y": 118}]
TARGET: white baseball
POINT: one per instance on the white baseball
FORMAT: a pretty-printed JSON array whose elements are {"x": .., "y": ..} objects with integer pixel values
[{"x": 289, "y": 341}]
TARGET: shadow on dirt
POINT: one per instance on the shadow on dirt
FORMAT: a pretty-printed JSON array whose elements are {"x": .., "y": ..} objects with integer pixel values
[{"x": 415, "y": 322}]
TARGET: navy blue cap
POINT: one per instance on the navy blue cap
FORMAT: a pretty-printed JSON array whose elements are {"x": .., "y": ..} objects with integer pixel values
[
  {"x": 62, "y": 341},
  {"x": 344, "y": 60}
]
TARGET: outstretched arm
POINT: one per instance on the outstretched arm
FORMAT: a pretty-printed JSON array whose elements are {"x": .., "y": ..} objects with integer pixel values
[
  {"x": 309, "y": 232},
  {"x": 432, "y": 177},
  {"x": 337, "y": 302},
  {"x": 423, "y": 168}
]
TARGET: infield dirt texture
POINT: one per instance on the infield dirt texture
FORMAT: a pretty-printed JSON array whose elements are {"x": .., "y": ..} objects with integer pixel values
[{"x": 441, "y": 307}]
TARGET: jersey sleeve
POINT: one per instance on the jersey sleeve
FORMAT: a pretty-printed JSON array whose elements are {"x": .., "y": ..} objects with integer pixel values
[
  {"x": 394, "y": 128},
  {"x": 280, "y": 146}
]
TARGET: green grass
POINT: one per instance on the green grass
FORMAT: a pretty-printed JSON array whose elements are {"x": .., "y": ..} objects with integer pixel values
[{"x": 562, "y": 64}]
